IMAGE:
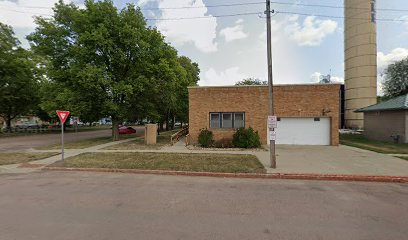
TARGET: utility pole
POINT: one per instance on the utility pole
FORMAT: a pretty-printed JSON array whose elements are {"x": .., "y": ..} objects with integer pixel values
[{"x": 270, "y": 83}]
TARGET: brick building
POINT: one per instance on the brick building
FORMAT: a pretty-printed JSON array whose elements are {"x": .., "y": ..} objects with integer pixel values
[{"x": 307, "y": 114}]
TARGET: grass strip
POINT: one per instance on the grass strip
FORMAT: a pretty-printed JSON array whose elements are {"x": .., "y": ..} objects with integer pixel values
[
  {"x": 78, "y": 145},
  {"x": 14, "y": 158},
  {"x": 162, "y": 140},
  {"x": 405, "y": 158},
  {"x": 225, "y": 163},
  {"x": 81, "y": 144},
  {"x": 360, "y": 141}
]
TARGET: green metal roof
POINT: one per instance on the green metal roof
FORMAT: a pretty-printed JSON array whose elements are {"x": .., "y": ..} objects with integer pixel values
[{"x": 398, "y": 103}]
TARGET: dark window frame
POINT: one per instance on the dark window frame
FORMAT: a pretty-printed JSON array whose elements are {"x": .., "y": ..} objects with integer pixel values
[{"x": 220, "y": 117}]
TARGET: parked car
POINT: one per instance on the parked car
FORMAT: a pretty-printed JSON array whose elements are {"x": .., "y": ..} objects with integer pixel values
[
  {"x": 27, "y": 126},
  {"x": 126, "y": 130}
]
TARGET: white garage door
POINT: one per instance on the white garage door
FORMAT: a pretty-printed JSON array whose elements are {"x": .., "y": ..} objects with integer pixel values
[{"x": 303, "y": 131}]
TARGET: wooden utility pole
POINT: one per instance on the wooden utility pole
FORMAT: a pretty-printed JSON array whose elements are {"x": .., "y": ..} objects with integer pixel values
[{"x": 270, "y": 81}]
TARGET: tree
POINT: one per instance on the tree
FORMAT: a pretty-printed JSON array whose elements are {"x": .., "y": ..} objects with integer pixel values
[
  {"x": 396, "y": 79},
  {"x": 251, "y": 81},
  {"x": 325, "y": 79},
  {"x": 98, "y": 58},
  {"x": 18, "y": 86},
  {"x": 192, "y": 77}
]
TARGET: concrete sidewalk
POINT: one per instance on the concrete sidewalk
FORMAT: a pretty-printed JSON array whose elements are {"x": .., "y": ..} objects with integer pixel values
[{"x": 290, "y": 159}]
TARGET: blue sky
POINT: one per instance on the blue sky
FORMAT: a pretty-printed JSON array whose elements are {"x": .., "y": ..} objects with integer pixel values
[{"x": 229, "y": 49}]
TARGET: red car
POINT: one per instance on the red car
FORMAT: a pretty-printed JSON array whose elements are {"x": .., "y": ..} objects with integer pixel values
[{"x": 126, "y": 130}]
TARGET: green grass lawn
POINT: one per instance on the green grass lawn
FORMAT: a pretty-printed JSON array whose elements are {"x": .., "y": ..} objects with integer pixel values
[
  {"x": 405, "y": 158},
  {"x": 13, "y": 158},
  {"x": 360, "y": 141},
  {"x": 226, "y": 163},
  {"x": 162, "y": 140},
  {"x": 81, "y": 144}
]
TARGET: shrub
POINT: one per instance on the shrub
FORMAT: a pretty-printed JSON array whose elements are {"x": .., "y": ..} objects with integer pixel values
[
  {"x": 205, "y": 138},
  {"x": 246, "y": 138},
  {"x": 224, "y": 143}
]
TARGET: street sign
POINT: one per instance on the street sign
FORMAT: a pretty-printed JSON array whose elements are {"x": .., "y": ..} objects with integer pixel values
[
  {"x": 272, "y": 122},
  {"x": 63, "y": 115},
  {"x": 272, "y": 135}
]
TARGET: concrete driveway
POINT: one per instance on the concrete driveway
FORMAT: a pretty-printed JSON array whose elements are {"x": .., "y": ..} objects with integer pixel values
[{"x": 333, "y": 160}]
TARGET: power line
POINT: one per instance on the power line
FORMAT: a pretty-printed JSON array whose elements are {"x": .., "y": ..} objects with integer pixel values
[
  {"x": 205, "y": 6},
  {"x": 251, "y": 3},
  {"x": 339, "y": 17},
  {"x": 339, "y": 7},
  {"x": 203, "y": 17},
  {"x": 34, "y": 13},
  {"x": 236, "y": 14}
]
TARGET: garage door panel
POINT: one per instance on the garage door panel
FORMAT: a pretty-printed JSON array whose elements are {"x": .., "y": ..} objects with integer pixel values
[{"x": 303, "y": 131}]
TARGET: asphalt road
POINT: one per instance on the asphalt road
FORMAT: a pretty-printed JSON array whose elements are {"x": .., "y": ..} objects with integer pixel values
[
  {"x": 62, "y": 205},
  {"x": 21, "y": 143}
]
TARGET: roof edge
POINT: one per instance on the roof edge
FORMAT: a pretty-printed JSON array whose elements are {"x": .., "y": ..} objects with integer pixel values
[{"x": 277, "y": 85}]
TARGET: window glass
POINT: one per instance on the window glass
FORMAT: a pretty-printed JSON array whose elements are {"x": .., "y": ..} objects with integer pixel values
[
  {"x": 214, "y": 120},
  {"x": 239, "y": 120},
  {"x": 227, "y": 120}
]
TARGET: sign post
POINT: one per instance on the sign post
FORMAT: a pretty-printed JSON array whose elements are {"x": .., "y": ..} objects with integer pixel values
[{"x": 63, "y": 116}]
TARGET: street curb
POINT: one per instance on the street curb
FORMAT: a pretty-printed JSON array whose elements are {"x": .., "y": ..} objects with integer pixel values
[{"x": 294, "y": 176}]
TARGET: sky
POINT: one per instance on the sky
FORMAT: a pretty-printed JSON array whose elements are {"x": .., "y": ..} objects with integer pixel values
[{"x": 229, "y": 49}]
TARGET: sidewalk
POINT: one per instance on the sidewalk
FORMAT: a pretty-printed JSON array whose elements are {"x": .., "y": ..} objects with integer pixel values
[{"x": 290, "y": 159}]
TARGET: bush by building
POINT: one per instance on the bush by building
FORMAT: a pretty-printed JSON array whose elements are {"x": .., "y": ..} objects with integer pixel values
[
  {"x": 205, "y": 138},
  {"x": 246, "y": 138}
]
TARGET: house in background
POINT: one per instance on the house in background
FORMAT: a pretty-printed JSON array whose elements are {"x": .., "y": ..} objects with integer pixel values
[
  {"x": 308, "y": 114},
  {"x": 387, "y": 121},
  {"x": 21, "y": 120}
]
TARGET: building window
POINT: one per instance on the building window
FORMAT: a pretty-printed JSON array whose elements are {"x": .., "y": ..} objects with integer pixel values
[
  {"x": 239, "y": 121},
  {"x": 227, "y": 120},
  {"x": 215, "y": 120},
  {"x": 317, "y": 119}
]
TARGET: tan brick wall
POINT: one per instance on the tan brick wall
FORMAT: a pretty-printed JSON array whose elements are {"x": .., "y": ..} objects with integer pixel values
[{"x": 314, "y": 100}]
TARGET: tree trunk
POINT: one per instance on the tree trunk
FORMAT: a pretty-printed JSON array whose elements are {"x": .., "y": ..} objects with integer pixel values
[
  {"x": 161, "y": 126},
  {"x": 115, "y": 129},
  {"x": 173, "y": 122},
  {"x": 8, "y": 123},
  {"x": 167, "y": 122}
]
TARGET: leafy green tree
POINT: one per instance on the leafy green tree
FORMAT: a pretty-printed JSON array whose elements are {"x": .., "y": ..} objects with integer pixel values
[
  {"x": 192, "y": 77},
  {"x": 396, "y": 79},
  {"x": 97, "y": 58},
  {"x": 251, "y": 81},
  {"x": 18, "y": 86}
]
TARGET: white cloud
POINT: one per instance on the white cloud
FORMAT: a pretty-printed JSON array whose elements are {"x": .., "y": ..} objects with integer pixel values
[
  {"x": 405, "y": 19},
  {"x": 337, "y": 79},
  {"x": 233, "y": 33},
  {"x": 239, "y": 21},
  {"x": 200, "y": 32},
  {"x": 276, "y": 28},
  {"x": 316, "y": 77},
  {"x": 143, "y": 2},
  {"x": 21, "y": 13},
  {"x": 228, "y": 77},
  {"x": 383, "y": 60},
  {"x": 311, "y": 32}
]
